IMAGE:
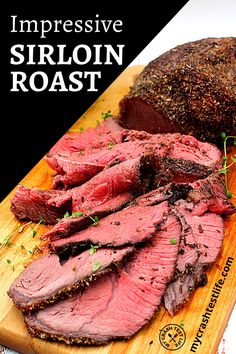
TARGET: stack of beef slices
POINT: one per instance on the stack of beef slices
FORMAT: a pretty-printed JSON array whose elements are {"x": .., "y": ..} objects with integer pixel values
[{"x": 137, "y": 219}]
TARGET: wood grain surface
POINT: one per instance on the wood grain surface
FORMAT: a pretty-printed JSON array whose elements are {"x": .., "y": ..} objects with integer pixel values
[{"x": 16, "y": 252}]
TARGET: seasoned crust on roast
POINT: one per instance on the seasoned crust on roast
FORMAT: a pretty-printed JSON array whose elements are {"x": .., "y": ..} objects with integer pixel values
[{"x": 190, "y": 89}]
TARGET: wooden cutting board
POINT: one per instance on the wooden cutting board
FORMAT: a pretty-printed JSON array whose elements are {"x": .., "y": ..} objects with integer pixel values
[{"x": 16, "y": 251}]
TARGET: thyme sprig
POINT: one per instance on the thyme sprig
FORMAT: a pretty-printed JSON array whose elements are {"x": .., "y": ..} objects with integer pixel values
[
  {"x": 7, "y": 239},
  {"x": 67, "y": 215},
  {"x": 95, "y": 220},
  {"x": 35, "y": 229},
  {"x": 35, "y": 250},
  {"x": 93, "y": 248},
  {"x": 96, "y": 266},
  {"x": 106, "y": 115},
  {"x": 226, "y": 163}
]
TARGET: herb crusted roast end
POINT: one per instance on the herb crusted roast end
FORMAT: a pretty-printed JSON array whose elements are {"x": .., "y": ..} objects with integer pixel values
[{"x": 190, "y": 89}]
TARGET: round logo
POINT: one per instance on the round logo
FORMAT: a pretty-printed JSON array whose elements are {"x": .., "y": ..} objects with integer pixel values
[{"x": 172, "y": 337}]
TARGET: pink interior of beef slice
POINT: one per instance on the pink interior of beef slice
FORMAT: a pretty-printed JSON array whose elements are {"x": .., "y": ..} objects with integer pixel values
[
  {"x": 210, "y": 194},
  {"x": 117, "y": 305},
  {"x": 69, "y": 225},
  {"x": 32, "y": 204},
  {"x": 200, "y": 244},
  {"x": 206, "y": 195},
  {"x": 107, "y": 184},
  {"x": 171, "y": 192},
  {"x": 74, "y": 168},
  {"x": 102, "y": 141},
  {"x": 131, "y": 225},
  {"x": 91, "y": 137},
  {"x": 179, "y": 171},
  {"x": 188, "y": 250},
  {"x": 47, "y": 279},
  {"x": 29, "y": 203},
  {"x": 188, "y": 148}
]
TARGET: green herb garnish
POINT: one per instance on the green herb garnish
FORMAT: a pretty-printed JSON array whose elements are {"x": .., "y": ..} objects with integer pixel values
[
  {"x": 110, "y": 145},
  {"x": 34, "y": 233},
  {"x": 115, "y": 162},
  {"x": 182, "y": 324},
  {"x": 98, "y": 122},
  {"x": 35, "y": 250},
  {"x": 66, "y": 215},
  {"x": 81, "y": 129},
  {"x": 226, "y": 163},
  {"x": 96, "y": 266},
  {"x": 8, "y": 261},
  {"x": 106, "y": 115},
  {"x": 173, "y": 241},
  {"x": 93, "y": 248},
  {"x": 41, "y": 220},
  {"x": 95, "y": 220},
  {"x": 20, "y": 228},
  {"x": 223, "y": 135},
  {"x": 76, "y": 213},
  {"x": 6, "y": 241}
]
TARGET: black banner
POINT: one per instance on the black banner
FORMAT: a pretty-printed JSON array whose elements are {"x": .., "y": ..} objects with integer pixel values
[{"x": 39, "y": 42}]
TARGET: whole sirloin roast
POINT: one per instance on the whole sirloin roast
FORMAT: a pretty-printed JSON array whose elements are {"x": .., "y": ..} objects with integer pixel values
[
  {"x": 136, "y": 217},
  {"x": 190, "y": 89}
]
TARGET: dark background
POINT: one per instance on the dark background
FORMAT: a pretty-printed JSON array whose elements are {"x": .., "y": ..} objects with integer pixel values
[{"x": 32, "y": 122}]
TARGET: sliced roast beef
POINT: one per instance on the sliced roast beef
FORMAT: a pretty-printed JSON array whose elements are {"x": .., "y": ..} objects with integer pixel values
[
  {"x": 32, "y": 204},
  {"x": 170, "y": 192},
  {"x": 47, "y": 279},
  {"x": 75, "y": 168},
  {"x": 189, "y": 89},
  {"x": 74, "y": 173},
  {"x": 179, "y": 171},
  {"x": 186, "y": 147},
  {"x": 179, "y": 292},
  {"x": 208, "y": 230},
  {"x": 203, "y": 195},
  {"x": 206, "y": 233},
  {"x": 115, "y": 306},
  {"x": 68, "y": 226},
  {"x": 183, "y": 283},
  {"x": 206, "y": 195},
  {"x": 210, "y": 194},
  {"x": 131, "y": 225},
  {"x": 133, "y": 175},
  {"x": 91, "y": 137},
  {"x": 72, "y": 223},
  {"x": 70, "y": 143}
]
